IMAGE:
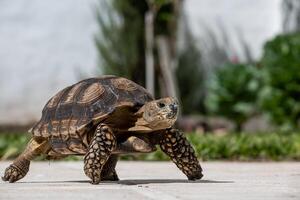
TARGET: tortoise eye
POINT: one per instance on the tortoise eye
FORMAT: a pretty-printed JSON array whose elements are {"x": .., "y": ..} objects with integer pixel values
[{"x": 161, "y": 105}]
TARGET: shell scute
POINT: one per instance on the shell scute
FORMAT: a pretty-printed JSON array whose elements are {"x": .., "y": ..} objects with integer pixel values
[
  {"x": 91, "y": 93},
  {"x": 124, "y": 84}
]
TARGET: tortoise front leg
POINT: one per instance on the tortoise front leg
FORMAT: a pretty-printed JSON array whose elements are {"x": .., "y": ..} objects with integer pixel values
[
  {"x": 101, "y": 147},
  {"x": 177, "y": 147}
]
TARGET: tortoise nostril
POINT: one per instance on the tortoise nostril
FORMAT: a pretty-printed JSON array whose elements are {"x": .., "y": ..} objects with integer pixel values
[{"x": 174, "y": 108}]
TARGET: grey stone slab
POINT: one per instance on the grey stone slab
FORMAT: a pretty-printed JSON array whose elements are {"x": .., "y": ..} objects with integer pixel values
[{"x": 158, "y": 180}]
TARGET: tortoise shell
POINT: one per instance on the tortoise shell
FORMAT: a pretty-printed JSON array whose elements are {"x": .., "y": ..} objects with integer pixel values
[{"x": 70, "y": 117}]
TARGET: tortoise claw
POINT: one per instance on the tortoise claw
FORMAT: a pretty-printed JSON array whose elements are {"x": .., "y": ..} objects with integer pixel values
[
  {"x": 12, "y": 174},
  {"x": 195, "y": 176},
  {"x": 95, "y": 181}
]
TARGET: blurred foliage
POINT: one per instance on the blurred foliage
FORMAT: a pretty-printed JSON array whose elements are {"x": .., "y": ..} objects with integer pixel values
[
  {"x": 12, "y": 144},
  {"x": 233, "y": 92},
  {"x": 218, "y": 46},
  {"x": 190, "y": 81},
  {"x": 280, "y": 97},
  {"x": 269, "y": 146},
  {"x": 202, "y": 58},
  {"x": 120, "y": 42},
  {"x": 190, "y": 76},
  {"x": 121, "y": 47},
  {"x": 238, "y": 91},
  {"x": 243, "y": 147}
]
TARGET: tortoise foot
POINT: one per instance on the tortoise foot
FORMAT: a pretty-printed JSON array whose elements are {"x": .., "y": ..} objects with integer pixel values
[
  {"x": 13, "y": 174},
  {"x": 111, "y": 177},
  {"x": 195, "y": 176}
]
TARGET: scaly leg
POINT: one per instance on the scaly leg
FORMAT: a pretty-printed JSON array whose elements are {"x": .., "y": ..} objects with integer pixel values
[
  {"x": 101, "y": 147},
  {"x": 19, "y": 168},
  {"x": 177, "y": 147},
  {"x": 108, "y": 172}
]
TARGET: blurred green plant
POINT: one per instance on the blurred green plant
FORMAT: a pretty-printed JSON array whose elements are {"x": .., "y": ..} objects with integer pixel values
[
  {"x": 121, "y": 47},
  {"x": 233, "y": 92},
  {"x": 280, "y": 98},
  {"x": 120, "y": 41},
  {"x": 243, "y": 147},
  {"x": 190, "y": 81},
  {"x": 246, "y": 147},
  {"x": 121, "y": 38},
  {"x": 190, "y": 75},
  {"x": 12, "y": 144}
]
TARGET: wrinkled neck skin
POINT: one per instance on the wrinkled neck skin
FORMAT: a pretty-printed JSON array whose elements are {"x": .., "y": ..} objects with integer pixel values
[{"x": 150, "y": 120}]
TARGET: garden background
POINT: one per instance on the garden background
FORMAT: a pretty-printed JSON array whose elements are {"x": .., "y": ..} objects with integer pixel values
[{"x": 234, "y": 65}]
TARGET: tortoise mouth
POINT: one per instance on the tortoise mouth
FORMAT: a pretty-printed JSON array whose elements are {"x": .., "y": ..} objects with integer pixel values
[{"x": 171, "y": 115}]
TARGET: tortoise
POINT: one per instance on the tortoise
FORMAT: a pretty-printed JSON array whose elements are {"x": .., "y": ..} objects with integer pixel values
[{"x": 102, "y": 118}]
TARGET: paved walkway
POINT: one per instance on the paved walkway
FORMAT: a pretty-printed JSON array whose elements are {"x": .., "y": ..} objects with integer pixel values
[{"x": 158, "y": 180}]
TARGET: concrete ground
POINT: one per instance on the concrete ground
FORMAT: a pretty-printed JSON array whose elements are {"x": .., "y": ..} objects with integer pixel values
[{"x": 158, "y": 180}]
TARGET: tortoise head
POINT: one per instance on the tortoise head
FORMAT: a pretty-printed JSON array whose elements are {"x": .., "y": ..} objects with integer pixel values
[{"x": 157, "y": 115}]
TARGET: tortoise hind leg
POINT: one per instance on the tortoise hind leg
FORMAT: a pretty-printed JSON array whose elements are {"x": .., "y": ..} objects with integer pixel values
[
  {"x": 101, "y": 147},
  {"x": 19, "y": 168},
  {"x": 178, "y": 148},
  {"x": 108, "y": 172}
]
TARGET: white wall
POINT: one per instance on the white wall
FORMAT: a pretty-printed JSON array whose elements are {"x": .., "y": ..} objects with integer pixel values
[
  {"x": 42, "y": 42},
  {"x": 257, "y": 20}
]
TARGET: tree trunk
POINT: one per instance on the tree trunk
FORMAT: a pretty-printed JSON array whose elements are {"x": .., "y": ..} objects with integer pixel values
[
  {"x": 149, "y": 39},
  {"x": 167, "y": 66},
  {"x": 290, "y": 16}
]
